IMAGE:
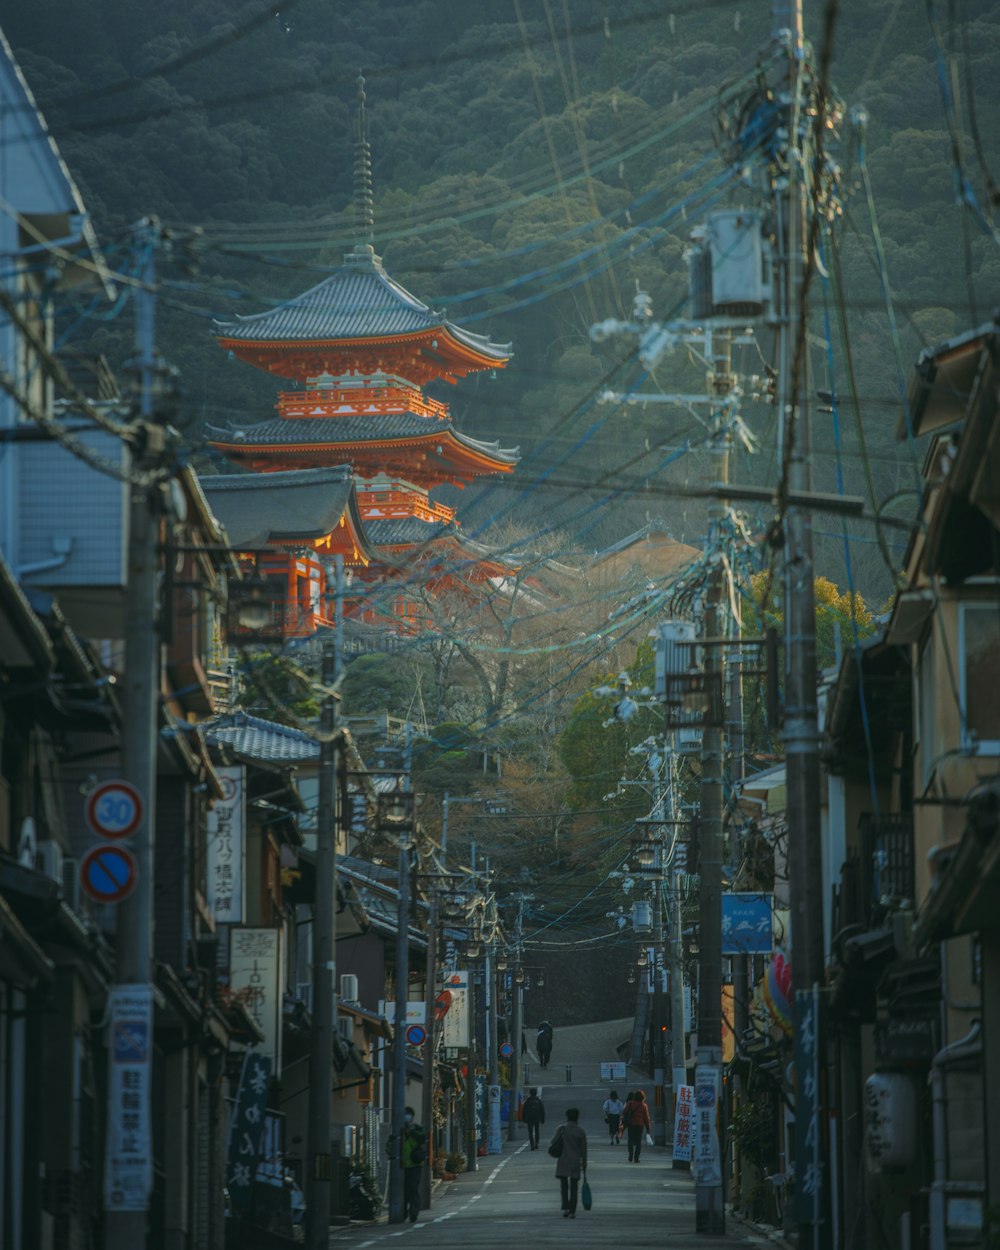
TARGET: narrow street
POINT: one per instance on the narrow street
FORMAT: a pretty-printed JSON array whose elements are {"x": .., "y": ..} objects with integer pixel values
[{"x": 512, "y": 1201}]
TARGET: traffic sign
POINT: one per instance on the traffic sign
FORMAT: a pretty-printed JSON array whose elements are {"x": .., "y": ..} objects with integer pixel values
[
  {"x": 416, "y": 1035},
  {"x": 108, "y": 873},
  {"x": 114, "y": 809},
  {"x": 506, "y": 1050}
]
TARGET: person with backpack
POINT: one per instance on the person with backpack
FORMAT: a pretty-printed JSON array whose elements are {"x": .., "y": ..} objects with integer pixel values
[
  {"x": 613, "y": 1108},
  {"x": 635, "y": 1118},
  {"x": 533, "y": 1114}
]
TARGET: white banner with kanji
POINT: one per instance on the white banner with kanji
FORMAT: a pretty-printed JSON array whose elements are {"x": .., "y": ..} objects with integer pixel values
[
  {"x": 128, "y": 1167},
  {"x": 226, "y": 849}
]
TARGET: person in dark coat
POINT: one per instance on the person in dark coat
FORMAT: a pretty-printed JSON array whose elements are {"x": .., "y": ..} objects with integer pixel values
[
  {"x": 533, "y": 1114},
  {"x": 413, "y": 1154},
  {"x": 635, "y": 1117},
  {"x": 572, "y": 1163}
]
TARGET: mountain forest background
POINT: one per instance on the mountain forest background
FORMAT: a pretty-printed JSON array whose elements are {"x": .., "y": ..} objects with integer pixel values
[{"x": 536, "y": 163}]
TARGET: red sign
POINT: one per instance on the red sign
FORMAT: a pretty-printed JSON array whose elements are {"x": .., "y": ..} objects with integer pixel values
[
  {"x": 108, "y": 873},
  {"x": 114, "y": 809}
]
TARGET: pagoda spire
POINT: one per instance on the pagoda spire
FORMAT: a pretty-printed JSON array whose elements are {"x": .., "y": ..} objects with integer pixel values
[{"x": 364, "y": 202}]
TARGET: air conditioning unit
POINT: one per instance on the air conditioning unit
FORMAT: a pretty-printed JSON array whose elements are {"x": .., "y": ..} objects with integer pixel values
[
  {"x": 348, "y": 988},
  {"x": 49, "y": 859},
  {"x": 345, "y": 1027}
]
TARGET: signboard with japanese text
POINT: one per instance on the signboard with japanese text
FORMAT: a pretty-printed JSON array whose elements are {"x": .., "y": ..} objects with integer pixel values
[
  {"x": 246, "y": 1129},
  {"x": 747, "y": 924},
  {"x": 454, "y": 1021},
  {"x": 684, "y": 1123},
  {"x": 655, "y": 966},
  {"x": 706, "y": 1162},
  {"x": 416, "y": 1012},
  {"x": 255, "y": 974},
  {"x": 226, "y": 849},
  {"x": 128, "y": 1171},
  {"x": 809, "y": 1126}
]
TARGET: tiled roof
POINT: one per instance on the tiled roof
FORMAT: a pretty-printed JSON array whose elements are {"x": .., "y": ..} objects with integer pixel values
[
  {"x": 262, "y": 740},
  {"x": 400, "y": 531},
  {"x": 358, "y": 428},
  {"x": 257, "y": 508},
  {"x": 359, "y": 301}
]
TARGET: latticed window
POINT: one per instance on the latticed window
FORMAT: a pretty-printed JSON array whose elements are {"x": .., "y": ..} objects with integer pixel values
[{"x": 887, "y": 847}]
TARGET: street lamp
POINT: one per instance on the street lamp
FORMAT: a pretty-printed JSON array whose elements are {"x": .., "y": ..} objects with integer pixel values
[{"x": 643, "y": 960}]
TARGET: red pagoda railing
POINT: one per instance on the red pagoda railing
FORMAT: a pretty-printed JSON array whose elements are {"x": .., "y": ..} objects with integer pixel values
[{"x": 358, "y": 401}]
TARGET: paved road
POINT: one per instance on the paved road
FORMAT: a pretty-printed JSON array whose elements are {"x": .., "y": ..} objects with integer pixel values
[{"x": 512, "y": 1201}]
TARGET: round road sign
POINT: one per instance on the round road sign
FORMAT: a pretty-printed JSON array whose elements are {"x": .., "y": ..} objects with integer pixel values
[
  {"x": 108, "y": 873},
  {"x": 416, "y": 1035},
  {"x": 114, "y": 809},
  {"x": 506, "y": 1050}
]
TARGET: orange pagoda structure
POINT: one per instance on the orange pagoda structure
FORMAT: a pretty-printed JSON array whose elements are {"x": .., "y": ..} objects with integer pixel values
[{"x": 360, "y": 350}]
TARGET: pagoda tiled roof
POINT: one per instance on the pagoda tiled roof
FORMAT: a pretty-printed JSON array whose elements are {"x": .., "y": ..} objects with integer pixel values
[
  {"x": 354, "y": 429},
  {"x": 359, "y": 301},
  {"x": 407, "y": 531},
  {"x": 302, "y": 505}
]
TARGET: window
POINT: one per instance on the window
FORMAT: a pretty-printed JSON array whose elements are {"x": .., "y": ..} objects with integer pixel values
[{"x": 979, "y": 658}]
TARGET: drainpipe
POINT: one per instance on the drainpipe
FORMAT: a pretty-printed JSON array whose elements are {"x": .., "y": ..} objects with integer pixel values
[
  {"x": 968, "y": 1047},
  {"x": 61, "y": 547}
]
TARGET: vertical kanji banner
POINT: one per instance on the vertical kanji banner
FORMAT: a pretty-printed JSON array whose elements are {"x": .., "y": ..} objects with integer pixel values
[
  {"x": 255, "y": 974},
  {"x": 226, "y": 849},
  {"x": 246, "y": 1129},
  {"x": 128, "y": 1168},
  {"x": 684, "y": 1123},
  {"x": 810, "y": 1170}
]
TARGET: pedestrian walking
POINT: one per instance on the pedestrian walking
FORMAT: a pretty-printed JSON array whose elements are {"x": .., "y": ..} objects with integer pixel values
[
  {"x": 613, "y": 1108},
  {"x": 533, "y": 1114},
  {"x": 572, "y": 1160},
  {"x": 635, "y": 1118},
  {"x": 412, "y": 1156}
]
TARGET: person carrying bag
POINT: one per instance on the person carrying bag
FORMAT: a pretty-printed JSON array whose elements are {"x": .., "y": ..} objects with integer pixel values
[
  {"x": 635, "y": 1117},
  {"x": 571, "y": 1160}
]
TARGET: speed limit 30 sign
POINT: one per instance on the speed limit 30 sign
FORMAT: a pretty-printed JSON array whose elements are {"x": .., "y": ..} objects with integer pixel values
[{"x": 114, "y": 809}]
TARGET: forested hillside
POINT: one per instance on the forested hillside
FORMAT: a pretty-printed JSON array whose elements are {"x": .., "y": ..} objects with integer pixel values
[{"x": 534, "y": 162}]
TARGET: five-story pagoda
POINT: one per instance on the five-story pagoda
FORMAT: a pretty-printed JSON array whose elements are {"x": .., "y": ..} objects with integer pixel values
[{"x": 360, "y": 349}]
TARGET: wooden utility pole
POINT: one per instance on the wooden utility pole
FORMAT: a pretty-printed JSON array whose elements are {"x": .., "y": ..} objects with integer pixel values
[
  {"x": 710, "y": 1214},
  {"x": 320, "y": 1151},
  {"x": 129, "y": 1154}
]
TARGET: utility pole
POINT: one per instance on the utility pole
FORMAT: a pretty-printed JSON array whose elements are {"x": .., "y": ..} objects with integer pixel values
[
  {"x": 801, "y": 722},
  {"x": 472, "y": 1085},
  {"x": 494, "y": 1141},
  {"x": 710, "y": 1215},
  {"x": 128, "y": 1180},
  {"x": 430, "y": 1040},
  {"x": 319, "y": 1145},
  {"x": 401, "y": 821},
  {"x": 517, "y": 1025}
]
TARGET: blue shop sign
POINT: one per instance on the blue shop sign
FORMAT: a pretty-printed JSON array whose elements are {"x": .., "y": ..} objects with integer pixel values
[{"x": 746, "y": 924}]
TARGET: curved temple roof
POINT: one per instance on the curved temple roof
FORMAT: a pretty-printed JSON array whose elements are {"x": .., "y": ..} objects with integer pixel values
[
  {"x": 302, "y": 506},
  {"x": 356, "y": 303}
]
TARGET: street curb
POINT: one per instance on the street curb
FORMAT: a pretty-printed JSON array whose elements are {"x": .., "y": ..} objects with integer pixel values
[{"x": 766, "y": 1231}]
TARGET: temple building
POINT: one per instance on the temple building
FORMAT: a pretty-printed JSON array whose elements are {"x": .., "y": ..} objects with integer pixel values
[{"x": 359, "y": 351}]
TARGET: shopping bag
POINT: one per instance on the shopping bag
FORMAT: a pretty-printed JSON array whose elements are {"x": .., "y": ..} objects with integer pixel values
[
  {"x": 585, "y": 1195},
  {"x": 649, "y": 1140}
]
